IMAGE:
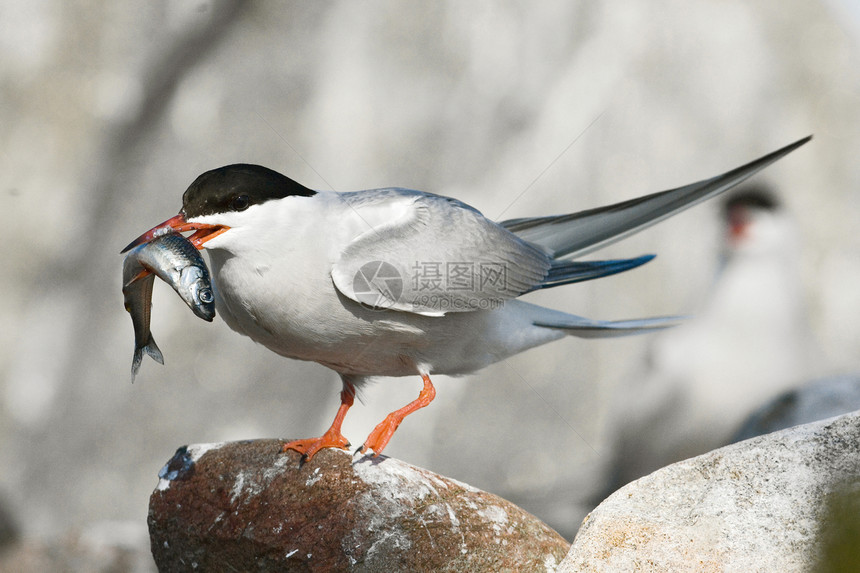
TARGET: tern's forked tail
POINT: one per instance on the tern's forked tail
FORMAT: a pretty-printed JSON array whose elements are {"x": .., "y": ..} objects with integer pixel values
[{"x": 587, "y": 328}]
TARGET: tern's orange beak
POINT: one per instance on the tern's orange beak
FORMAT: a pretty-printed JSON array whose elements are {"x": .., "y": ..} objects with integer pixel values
[{"x": 178, "y": 224}]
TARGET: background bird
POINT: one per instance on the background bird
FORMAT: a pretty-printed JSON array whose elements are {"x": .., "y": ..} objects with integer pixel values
[{"x": 750, "y": 341}]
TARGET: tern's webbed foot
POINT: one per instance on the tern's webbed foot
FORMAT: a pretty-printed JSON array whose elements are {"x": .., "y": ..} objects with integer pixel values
[
  {"x": 310, "y": 446},
  {"x": 381, "y": 434}
]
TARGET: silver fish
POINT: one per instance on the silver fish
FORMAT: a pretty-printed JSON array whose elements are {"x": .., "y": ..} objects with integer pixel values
[{"x": 177, "y": 262}]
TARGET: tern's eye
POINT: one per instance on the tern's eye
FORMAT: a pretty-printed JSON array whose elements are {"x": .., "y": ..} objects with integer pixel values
[{"x": 240, "y": 203}]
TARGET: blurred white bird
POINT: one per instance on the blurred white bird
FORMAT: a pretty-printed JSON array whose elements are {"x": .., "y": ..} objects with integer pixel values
[{"x": 750, "y": 342}]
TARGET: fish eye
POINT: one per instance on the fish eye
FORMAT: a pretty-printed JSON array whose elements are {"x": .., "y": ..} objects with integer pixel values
[
  {"x": 240, "y": 203},
  {"x": 206, "y": 296}
]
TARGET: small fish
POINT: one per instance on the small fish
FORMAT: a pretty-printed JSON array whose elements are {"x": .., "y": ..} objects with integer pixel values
[{"x": 178, "y": 263}]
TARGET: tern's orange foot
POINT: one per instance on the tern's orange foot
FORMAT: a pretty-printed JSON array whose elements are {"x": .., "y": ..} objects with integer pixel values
[
  {"x": 310, "y": 446},
  {"x": 381, "y": 434}
]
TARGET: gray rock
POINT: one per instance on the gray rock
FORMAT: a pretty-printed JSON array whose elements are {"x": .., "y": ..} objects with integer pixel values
[
  {"x": 767, "y": 504},
  {"x": 246, "y": 506},
  {"x": 816, "y": 400}
]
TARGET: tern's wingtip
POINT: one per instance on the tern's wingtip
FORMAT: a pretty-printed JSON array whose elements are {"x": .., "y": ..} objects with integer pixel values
[{"x": 801, "y": 141}]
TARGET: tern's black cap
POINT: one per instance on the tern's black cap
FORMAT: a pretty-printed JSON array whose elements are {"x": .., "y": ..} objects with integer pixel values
[
  {"x": 237, "y": 187},
  {"x": 757, "y": 196}
]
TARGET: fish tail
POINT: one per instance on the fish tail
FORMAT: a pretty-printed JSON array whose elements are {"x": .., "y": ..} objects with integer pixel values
[{"x": 150, "y": 348}]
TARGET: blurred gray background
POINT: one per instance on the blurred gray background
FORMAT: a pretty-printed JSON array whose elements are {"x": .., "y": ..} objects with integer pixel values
[{"x": 109, "y": 110}]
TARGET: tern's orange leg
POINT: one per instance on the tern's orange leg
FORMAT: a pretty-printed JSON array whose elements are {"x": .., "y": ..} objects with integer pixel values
[
  {"x": 333, "y": 438},
  {"x": 381, "y": 434}
]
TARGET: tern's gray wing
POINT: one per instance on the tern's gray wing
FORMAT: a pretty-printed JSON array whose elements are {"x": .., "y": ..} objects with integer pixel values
[
  {"x": 579, "y": 233},
  {"x": 438, "y": 255}
]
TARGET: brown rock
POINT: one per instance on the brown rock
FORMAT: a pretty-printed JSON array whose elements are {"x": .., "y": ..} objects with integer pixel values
[{"x": 246, "y": 506}]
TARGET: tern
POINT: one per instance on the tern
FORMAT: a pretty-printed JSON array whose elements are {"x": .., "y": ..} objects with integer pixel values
[
  {"x": 749, "y": 342},
  {"x": 397, "y": 282}
]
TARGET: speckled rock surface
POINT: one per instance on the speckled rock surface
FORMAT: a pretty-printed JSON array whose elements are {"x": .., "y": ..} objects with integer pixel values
[
  {"x": 758, "y": 505},
  {"x": 245, "y": 506}
]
